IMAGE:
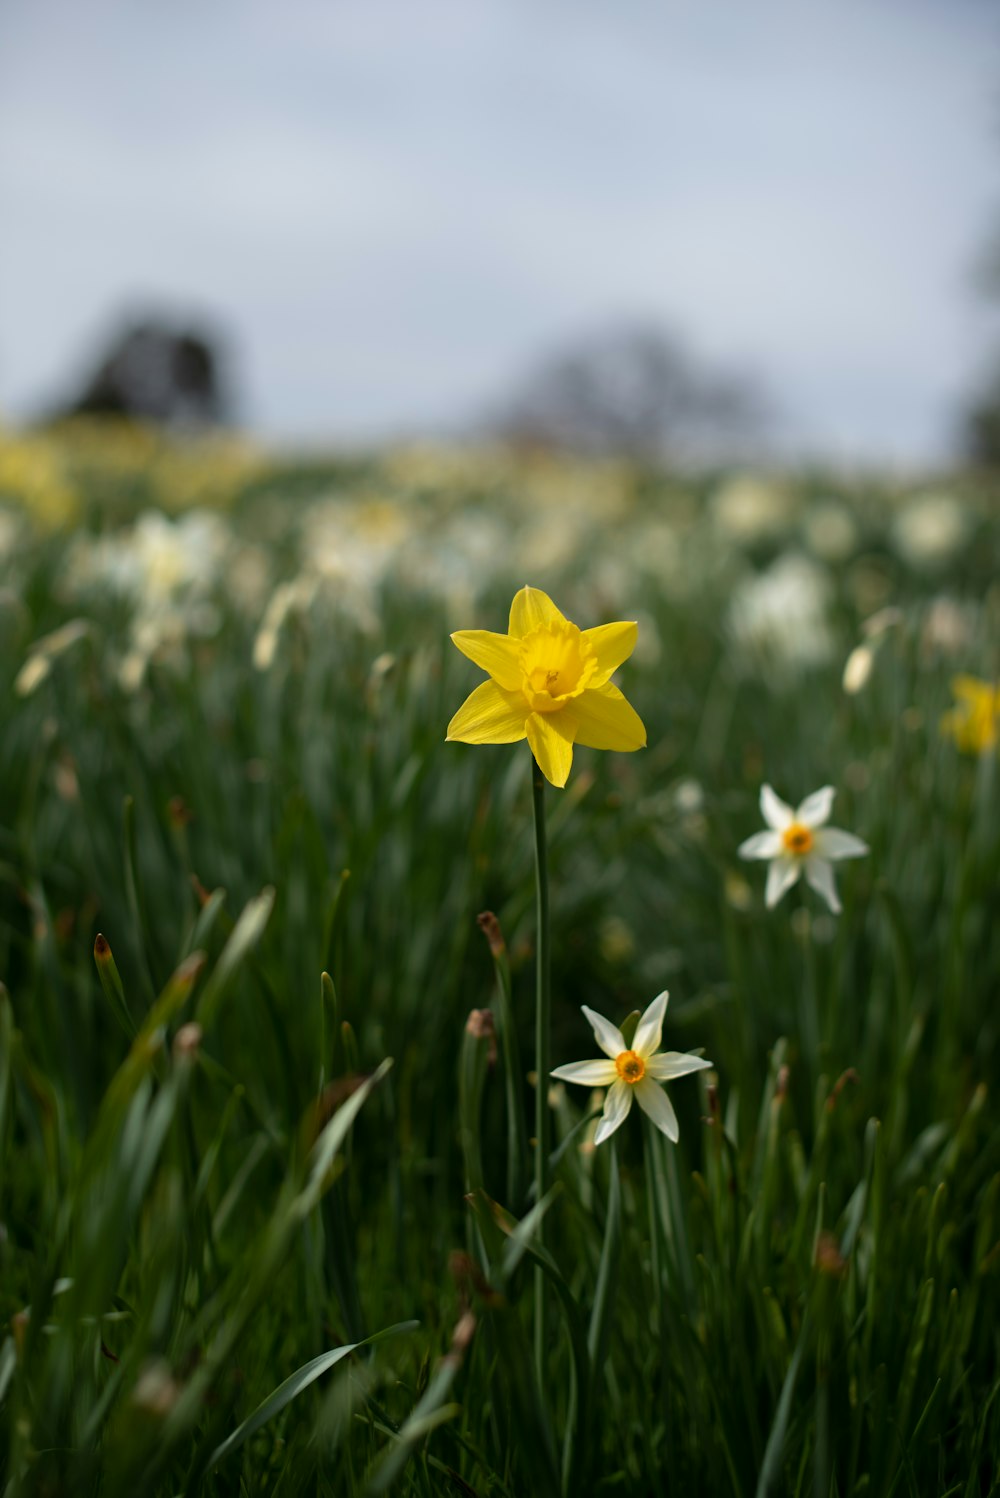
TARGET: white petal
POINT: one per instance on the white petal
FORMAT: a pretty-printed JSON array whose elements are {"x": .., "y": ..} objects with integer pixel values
[
  {"x": 816, "y": 808},
  {"x": 820, "y": 876},
  {"x": 616, "y": 1107},
  {"x": 588, "y": 1073},
  {"x": 670, "y": 1064},
  {"x": 831, "y": 842},
  {"x": 782, "y": 874},
  {"x": 650, "y": 1027},
  {"x": 609, "y": 1037},
  {"x": 654, "y": 1102},
  {"x": 774, "y": 811},
  {"x": 761, "y": 845}
]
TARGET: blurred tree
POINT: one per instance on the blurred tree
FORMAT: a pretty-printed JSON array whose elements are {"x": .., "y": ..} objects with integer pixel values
[
  {"x": 979, "y": 421},
  {"x": 155, "y": 372},
  {"x": 981, "y": 427},
  {"x": 631, "y": 390}
]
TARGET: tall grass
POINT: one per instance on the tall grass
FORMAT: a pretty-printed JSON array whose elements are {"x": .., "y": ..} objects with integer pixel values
[{"x": 243, "y": 1253}]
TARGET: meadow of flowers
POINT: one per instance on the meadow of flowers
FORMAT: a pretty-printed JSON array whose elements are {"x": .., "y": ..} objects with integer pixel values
[{"x": 324, "y": 1009}]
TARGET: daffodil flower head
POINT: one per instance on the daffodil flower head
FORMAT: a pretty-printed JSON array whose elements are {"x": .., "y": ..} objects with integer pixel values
[
  {"x": 800, "y": 841},
  {"x": 974, "y": 722},
  {"x": 550, "y": 683},
  {"x": 633, "y": 1071}
]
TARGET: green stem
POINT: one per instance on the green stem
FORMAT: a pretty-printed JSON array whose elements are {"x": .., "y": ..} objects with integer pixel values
[
  {"x": 809, "y": 1000},
  {"x": 543, "y": 1004},
  {"x": 517, "y": 1127},
  {"x": 597, "y": 1339},
  {"x": 656, "y": 1271}
]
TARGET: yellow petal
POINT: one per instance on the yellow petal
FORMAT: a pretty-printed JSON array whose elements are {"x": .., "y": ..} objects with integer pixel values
[
  {"x": 496, "y": 654},
  {"x": 602, "y": 719},
  {"x": 551, "y": 743},
  {"x": 971, "y": 689},
  {"x": 489, "y": 716},
  {"x": 532, "y": 607},
  {"x": 612, "y": 644}
]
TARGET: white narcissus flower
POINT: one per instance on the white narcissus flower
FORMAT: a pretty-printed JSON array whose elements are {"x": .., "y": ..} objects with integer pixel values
[
  {"x": 633, "y": 1071},
  {"x": 800, "y": 839}
]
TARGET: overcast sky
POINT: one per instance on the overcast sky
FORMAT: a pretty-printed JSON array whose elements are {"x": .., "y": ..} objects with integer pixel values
[{"x": 393, "y": 208}]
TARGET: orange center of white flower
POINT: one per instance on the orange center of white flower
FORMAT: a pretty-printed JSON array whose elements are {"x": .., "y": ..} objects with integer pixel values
[
  {"x": 556, "y": 664},
  {"x": 630, "y": 1066},
  {"x": 797, "y": 838}
]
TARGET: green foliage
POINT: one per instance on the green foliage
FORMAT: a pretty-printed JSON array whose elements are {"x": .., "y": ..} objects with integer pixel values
[{"x": 215, "y": 1194}]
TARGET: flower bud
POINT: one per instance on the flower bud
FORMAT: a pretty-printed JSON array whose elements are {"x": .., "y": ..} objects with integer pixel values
[{"x": 490, "y": 927}]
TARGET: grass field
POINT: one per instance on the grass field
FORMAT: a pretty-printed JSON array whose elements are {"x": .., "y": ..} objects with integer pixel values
[{"x": 241, "y": 869}]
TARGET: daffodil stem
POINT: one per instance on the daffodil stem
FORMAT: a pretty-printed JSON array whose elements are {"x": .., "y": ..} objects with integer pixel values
[
  {"x": 517, "y": 1126},
  {"x": 543, "y": 1005},
  {"x": 597, "y": 1338},
  {"x": 810, "y": 1004}
]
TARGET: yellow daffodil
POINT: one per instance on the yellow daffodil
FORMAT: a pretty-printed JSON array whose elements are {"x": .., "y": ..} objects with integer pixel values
[
  {"x": 633, "y": 1071},
  {"x": 974, "y": 722},
  {"x": 550, "y": 682}
]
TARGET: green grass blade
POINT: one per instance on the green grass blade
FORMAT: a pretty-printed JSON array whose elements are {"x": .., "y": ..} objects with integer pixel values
[
  {"x": 242, "y": 939},
  {"x": 329, "y": 1143},
  {"x": 293, "y": 1386},
  {"x": 111, "y": 983},
  {"x": 774, "y": 1451}
]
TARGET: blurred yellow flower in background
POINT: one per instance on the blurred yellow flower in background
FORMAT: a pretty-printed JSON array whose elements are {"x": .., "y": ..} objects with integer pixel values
[
  {"x": 550, "y": 682},
  {"x": 974, "y": 721}
]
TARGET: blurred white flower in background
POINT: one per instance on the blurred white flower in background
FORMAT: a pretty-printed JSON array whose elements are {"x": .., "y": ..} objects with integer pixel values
[
  {"x": 610, "y": 578},
  {"x": 746, "y": 508},
  {"x": 173, "y": 557},
  {"x": 352, "y": 544},
  {"x": 931, "y": 529},
  {"x": 354, "y": 538},
  {"x": 779, "y": 619},
  {"x": 689, "y": 796},
  {"x": 467, "y": 546},
  {"x": 597, "y": 491},
  {"x": 552, "y": 539},
  {"x": 657, "y": 546},
  {"x": 830, "y": 531},
  {"x": 168, "y": 570},
  {"x": 154, "y": 561},
  {"x": 949, "y": 627}
]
